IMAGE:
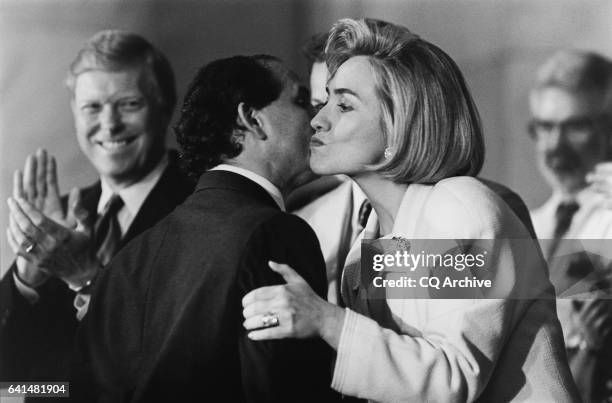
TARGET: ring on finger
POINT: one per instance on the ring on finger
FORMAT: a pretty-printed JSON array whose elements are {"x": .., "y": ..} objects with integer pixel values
[
  {"x": 29, "y": 247},
  {"x": 269, "y": 320}
]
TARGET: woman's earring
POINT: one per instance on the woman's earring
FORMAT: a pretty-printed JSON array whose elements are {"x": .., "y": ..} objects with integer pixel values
[{"x": 388, "y": 152}]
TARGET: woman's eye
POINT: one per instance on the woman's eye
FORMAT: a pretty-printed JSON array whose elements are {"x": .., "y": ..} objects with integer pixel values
[{"x": 344, "y": 107}]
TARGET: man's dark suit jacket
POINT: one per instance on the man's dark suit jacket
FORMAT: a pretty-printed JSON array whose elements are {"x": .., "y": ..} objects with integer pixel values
[
  {"x": 165, "y": 319},
  {"x": 36, "y": 340}
]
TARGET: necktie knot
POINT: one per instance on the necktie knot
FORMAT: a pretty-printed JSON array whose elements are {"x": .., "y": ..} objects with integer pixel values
[{"x": 113, "y": 205}]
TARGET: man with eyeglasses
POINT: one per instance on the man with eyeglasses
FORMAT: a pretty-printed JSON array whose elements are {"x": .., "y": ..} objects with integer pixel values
[{"x": 571, "y": 127}]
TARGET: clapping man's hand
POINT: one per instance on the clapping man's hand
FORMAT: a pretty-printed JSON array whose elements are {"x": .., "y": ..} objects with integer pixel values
[
  {"x": 594, "y": 319},
  {"x": 601, "y": 181},
  {"x": 47, "y": 240}
]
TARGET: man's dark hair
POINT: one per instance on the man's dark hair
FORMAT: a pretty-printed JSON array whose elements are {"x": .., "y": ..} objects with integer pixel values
[
  {"x": 206, "y": 130},
  {"x": 314, "y": 49}
]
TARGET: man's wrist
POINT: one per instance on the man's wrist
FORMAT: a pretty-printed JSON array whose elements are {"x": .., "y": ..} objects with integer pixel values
[
  {"x": 28, "y": 274},
  {"x": 584, "y": 345}
]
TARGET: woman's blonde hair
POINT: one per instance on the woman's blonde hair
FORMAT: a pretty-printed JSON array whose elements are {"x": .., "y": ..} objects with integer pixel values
[{"x": 429, "y": 119}]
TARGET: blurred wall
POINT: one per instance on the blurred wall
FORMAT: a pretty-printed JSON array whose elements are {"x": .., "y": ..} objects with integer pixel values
[{"x": 497, "y": 43}]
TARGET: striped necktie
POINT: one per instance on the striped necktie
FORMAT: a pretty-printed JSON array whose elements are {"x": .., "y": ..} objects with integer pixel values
[{"x": 107, "y": 232}]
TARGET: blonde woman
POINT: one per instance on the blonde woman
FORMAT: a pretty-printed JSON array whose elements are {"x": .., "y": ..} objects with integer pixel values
[{"x": 401, "y": 123}]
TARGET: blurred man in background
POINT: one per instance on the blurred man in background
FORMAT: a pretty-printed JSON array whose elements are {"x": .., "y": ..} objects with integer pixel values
[
  {"x": 123, "y": 95},
  {"x": 571, "y": 128},
  {"x": 339, "y": 215}
]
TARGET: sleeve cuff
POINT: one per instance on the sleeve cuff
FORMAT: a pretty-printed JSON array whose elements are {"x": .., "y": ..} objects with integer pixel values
[
  {"x": 29, "y": 293},
  {"x": 346, "y": 357},
  {"x": 81, "y": 304}
]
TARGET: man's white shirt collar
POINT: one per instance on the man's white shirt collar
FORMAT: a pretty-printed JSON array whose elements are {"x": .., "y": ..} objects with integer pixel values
[
  {"x": 268, "y": 186},
  {"x": 133, "y": 196},
  {"x": 584, "y": 197}
]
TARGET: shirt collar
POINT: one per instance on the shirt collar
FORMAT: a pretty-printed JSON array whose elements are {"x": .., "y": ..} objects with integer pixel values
[
  {"x": 134, "y": 195},
  {"x": 358, "y": 198},
  {"x": 268, "y": 186},
  {"x": 584, "y": 197}
]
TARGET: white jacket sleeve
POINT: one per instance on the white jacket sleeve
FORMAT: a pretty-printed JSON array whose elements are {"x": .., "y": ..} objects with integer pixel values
[{"x": 447, "y": 349}]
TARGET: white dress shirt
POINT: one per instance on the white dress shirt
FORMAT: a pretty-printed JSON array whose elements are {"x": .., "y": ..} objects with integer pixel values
[
  {"x": 133, "y": 196},
  {"x": 334, "y": 217},
  {"x": 592, "y": 220}
]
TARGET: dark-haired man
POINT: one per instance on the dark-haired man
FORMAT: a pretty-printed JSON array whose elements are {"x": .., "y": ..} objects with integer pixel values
[
  {"x": 245, "y": 132},
  {"x": 314, "y": 51},
  {"x": 123, "y": 95}
]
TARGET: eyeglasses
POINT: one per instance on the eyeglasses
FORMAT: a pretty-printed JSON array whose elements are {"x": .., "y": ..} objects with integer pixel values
[{"x": 575, "y": 131}]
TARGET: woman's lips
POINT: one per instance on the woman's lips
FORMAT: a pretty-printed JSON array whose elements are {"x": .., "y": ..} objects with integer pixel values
[{"x": 315, "y": 142}]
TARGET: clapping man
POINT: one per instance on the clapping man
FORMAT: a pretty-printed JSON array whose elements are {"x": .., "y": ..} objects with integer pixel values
[{"x": 123, "y": 95}]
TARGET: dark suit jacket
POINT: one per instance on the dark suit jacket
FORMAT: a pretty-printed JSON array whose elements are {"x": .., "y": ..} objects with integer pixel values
[
  {"x": 165, "y": 319},
  {"x": 36, "y": 340}
]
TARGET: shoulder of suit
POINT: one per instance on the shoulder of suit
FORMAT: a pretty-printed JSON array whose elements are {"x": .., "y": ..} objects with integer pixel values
[
  {"x": 284, "y": 228},
  {"x": 464, "y": 190},
  {"x": 289, "y": 223},
  {"x": 464, "y": 205}
]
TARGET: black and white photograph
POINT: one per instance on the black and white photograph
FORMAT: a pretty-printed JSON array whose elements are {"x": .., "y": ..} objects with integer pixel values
[{"x": 306, "y": 201}]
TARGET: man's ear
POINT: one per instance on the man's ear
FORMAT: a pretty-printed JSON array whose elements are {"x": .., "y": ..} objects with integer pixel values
[{"x": 249, "y": 120}]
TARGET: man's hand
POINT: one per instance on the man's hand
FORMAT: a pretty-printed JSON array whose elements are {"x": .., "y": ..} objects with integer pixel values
[
  {"x": 594, "y": 319},
  {"x": 58, "y": 250},
  {"x": 38, "y": 185},
  {"x": 600, "y": 180},
  {"x": 45, "y": 239}
]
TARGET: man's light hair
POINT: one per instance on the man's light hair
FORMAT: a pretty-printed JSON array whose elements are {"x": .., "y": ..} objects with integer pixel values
[
  {"x": 115, "y": 50},
  {"x": 578, "y": 72}
]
